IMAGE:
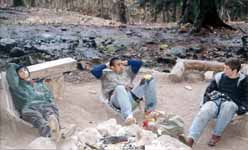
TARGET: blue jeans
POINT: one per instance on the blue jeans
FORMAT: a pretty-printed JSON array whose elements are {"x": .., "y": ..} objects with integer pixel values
[
  {"x": 124, "y": 100},
  {"x": 224, "y": 114}
]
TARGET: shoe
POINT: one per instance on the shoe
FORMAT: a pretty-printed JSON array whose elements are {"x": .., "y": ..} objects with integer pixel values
[
  {"x": 68, "y": 131},
  {"x": 130, "y": 120},
  {"x": 185, "y": 140},
  {"x": 214, "y": 140},
  {"x": 53, "y": 124}
]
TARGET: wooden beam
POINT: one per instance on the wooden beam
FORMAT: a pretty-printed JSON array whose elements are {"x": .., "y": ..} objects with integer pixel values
[{"x": 52, "y": 68}]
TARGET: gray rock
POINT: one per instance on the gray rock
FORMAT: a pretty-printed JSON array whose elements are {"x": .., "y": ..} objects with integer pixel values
[
  {"x": 16, "y": 52},
  {"x": 89, "y": 135},
  {"x": 196, "y": 49},
  {"x": 178, "y": 51},
  {"x": 7, "y": 44},
  {"x": 245, "y": 43},
  {"x": 145, "y": 137},
  {"x": 42, "y": 143},
  {"x": 130, "y": 131},
  {"x": 170, "y": 124},
  {"x": 108, "y": 128}
]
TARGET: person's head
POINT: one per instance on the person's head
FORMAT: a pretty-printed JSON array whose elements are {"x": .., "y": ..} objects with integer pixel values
[
  {"x": 116, "y": 65},
  {"x": 232, "y": 67},
  {"x": 23, "y": 72}
]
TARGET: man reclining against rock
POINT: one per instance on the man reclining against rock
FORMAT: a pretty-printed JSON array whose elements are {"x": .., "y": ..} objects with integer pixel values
[
  {"x": 117, "y": 78},
  {"x": 34, "y": 101},
  {"x": 226, "y": 96}
]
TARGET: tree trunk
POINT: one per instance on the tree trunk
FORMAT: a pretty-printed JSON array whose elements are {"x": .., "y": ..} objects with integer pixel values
[
  {"x": 122, "y": 11},
  {"x": 18, "y": 3},
  {"x": 202, "y": 13}
]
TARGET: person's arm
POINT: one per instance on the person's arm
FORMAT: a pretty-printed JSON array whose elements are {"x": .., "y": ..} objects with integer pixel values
[
  {"x": 97, "y": 71},
  {"x": 135, "y": 65},
  {"x": 211, "y": 87},
  {"x": 243, "y": 108},
  {"x": 11, "y": 75}
]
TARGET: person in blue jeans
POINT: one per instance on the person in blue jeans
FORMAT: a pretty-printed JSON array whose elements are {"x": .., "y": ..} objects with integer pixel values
[
  {"x": 226, "y": 96},
  {"x": 117, "y": 86}
]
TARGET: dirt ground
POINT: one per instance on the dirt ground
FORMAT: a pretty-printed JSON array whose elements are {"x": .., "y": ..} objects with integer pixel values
[{"x": 82, "y": 106}]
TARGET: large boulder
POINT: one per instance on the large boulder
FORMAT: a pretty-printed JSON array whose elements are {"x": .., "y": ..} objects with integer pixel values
[
  {"x": 90, "y": 136},
  {"x": 166, "y": 142},
  {"x": 42, "y": 143},
  {"x": 108, "y": 128},
  {"x": 7, "y": 44},
  {"x": 170, "y": 124}
]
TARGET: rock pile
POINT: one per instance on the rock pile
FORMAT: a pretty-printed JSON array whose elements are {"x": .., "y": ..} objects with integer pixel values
[{"x": 111, "y": 136}]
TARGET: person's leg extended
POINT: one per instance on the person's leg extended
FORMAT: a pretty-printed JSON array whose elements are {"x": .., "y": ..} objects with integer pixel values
[
  {"x": 32, "y": 115},
  {"x": 49, "y": 109},
  {"x": 227, "y": 111},
  {"x": 120, "y": 98},
  {"x": 208, "y": 111},
  {"x": 148, "y": 91}
]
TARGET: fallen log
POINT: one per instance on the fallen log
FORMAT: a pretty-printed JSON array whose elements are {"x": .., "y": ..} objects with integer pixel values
[{"x": 183, "y": 65}]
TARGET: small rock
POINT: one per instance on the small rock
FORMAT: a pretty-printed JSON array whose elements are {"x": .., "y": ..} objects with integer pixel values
[
  {"x": 187, "y": 87},
  {"x": 163, "y": 46},
  {"x": 178, "y": 51},
  {"x": 196, "y": 49}
]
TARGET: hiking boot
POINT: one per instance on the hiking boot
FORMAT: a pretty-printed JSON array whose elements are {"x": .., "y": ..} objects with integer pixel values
[
  {"x": 214, "y": 140},
  {"x": 68, "y": 131},
  {"x": 130, "y": 120},
  {"x": 53, "y": 124},
  {"x": 186, "y": 140}
]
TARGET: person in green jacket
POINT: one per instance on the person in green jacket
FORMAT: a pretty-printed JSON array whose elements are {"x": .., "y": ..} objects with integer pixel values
[{"x": 33, "y": 100}]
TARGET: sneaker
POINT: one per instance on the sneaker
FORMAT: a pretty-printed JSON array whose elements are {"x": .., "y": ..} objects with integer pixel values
[
  {"x": 130, "y": 120},
  {"x": 185, "y": 140},
  {"x": 214, "y": 140},
  {"x": 53, "y": 124},
  {"x": 68, "y": 131}
]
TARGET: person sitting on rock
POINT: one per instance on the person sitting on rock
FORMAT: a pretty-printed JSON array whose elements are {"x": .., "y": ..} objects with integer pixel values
[
  {"x": 117, "y": 79},
  {"x": 34, "y": 101},
  {"x": 226, "y": 96}
]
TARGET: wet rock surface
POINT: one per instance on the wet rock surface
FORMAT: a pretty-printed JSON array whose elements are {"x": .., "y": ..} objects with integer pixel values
[{"x": 158, "y": 47}]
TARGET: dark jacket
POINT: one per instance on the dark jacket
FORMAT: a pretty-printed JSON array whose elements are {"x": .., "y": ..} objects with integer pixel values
[
  {"x": 25, "y": 93},
  {"x": 242, "y": 85}
]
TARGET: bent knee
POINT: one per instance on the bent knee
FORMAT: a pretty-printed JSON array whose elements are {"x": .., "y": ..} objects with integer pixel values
[
  {"x": 209, "y": 107},
  {"x": 229, "y": 105},
  {"x": 120, "y": 88}
]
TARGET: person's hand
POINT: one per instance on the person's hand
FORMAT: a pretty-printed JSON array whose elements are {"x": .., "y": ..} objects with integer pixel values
[
  {"x": 129, "y": 87},
  {"x": 125, "y": 62},
  {"x": 107, "y": 64}
]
